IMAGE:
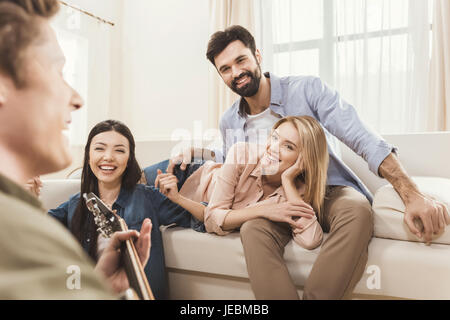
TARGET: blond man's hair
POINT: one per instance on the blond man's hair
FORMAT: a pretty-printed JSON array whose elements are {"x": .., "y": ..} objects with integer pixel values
[
  {"x": 314, "y": 151},
  {"x": 19, "y": 28}
]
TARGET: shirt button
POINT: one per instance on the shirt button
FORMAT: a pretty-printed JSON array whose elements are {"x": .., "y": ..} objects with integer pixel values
[{"x": 88, "y": 239}]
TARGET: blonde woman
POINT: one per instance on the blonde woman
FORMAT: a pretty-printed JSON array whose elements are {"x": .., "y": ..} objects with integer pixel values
[{"x": 283, "y": 182}]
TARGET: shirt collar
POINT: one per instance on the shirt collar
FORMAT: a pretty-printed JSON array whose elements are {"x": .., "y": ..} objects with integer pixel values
[
  {"x": 123, "y": 198},
  {"x": 11, "y": 188},
  {"x": 275, "y": 90},
  {"x": 257, "y": 173}
]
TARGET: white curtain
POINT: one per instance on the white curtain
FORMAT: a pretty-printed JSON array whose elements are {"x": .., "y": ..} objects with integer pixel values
[
  {"x": 223, "y": 14},
  {"x": 439, "y": 119},
  {"x": 376, "y": 53},
  {"x": 86, "y": 43}
]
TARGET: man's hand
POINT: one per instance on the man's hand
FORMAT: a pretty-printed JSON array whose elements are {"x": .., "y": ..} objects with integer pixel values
[
  {"x": 109, "y": 262},
  {"x": 187, "y": 156},
  {"x": 419, "y": 208},
  {"x": 426, "y": 217},
  {"x": 34, "y": 186},
  {"x": 182, "y": 159}
]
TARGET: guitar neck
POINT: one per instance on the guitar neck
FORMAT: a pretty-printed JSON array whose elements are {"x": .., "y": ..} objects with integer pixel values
[
  {"x": 108, "y": 222},
  {"x": 134, "y": 270}
]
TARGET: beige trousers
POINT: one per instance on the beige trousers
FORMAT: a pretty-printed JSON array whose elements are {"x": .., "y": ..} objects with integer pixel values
[{"x": 341, "y": 260}]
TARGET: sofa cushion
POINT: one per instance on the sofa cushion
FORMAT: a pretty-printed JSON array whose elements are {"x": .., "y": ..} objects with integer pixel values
[
  {"x": 187, "y": 249},
  {"x": 389, "y": 209},
  {"x": 209, "y": 255},
  {"x": 404, "y": 269},
  {"x": 56, "y": 192}
]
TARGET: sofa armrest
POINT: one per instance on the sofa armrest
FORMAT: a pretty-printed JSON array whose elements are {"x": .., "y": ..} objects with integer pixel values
[
  {"x": 55, "y": 192},
  {"x": 389, "y": 210}
]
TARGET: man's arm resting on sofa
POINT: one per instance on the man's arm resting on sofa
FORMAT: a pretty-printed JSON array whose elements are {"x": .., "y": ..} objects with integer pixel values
[
  {"x": 188, "y": 155},
  {"x": 433, "y": 214}
]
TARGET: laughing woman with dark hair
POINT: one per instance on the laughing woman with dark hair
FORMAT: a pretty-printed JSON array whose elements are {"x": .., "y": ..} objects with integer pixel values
[{"x": 111, "y": 171}]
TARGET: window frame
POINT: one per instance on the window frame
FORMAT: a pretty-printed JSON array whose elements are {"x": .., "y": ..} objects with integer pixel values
[{"x": 326, "y": 44}]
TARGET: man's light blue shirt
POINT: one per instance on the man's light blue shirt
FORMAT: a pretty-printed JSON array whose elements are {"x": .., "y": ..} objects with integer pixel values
[{"x": 307, "y": 95}]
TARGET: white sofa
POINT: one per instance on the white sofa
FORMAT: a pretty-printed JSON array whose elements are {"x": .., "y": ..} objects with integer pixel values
[{"x": 207, "y": 266}]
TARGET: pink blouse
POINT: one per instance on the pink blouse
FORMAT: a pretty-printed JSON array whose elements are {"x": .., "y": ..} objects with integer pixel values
[{"x": 236, "y": 185}]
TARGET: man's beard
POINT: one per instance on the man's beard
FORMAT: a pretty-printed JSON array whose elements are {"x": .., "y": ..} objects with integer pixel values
[{"x": 251, "y": 88}]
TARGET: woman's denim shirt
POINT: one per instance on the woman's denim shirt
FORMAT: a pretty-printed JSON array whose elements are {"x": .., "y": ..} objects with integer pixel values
[{"x": 133, "y": 206}]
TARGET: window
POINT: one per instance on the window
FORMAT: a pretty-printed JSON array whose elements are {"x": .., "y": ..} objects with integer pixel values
[
  {"x": 297, "y": 48},
  {"x": 369, "y": 50},
  {"x": 86, "y": 43},
  {"x": 76, "y": 49}
]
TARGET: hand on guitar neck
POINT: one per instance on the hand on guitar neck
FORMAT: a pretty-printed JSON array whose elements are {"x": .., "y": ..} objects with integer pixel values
[{"x": 109, "y": 263}]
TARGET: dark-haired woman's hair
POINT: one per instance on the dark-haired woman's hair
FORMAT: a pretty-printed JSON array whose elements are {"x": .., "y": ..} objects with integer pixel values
[{"x": 83, "y": 225}]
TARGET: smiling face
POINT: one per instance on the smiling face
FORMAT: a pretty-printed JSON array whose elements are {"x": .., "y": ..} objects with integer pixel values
[
  {"x": 282, "y": 151},
  {"x": 109, "y": 153},
  {"x": 37, "y": 115},
  {"x": 240, "y": 69}
]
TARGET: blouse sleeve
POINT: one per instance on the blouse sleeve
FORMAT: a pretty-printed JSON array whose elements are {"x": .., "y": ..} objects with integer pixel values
[
  {"x": 311, "y": 236},
  {"x": 222, "y": 197}
]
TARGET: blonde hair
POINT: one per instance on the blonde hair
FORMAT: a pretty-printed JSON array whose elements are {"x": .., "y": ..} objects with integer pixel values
[
  {"x": 314, "y": 151},
  {"x": 19, "y": 28}
]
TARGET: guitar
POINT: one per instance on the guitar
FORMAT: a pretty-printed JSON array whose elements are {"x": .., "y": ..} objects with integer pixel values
[{"x": 109, "y": 222}]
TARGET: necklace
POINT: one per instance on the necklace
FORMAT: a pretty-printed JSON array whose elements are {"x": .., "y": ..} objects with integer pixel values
[
  {"x": 108, "y": 197},
  {"x": 109, "y": 204}
]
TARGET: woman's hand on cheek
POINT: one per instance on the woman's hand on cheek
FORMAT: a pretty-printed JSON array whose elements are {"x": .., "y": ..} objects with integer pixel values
[{"x": 291, "y": 173}]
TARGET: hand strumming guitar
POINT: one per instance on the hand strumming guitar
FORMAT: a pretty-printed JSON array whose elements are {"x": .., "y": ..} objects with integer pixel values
[{"x": 109, "y": 262}]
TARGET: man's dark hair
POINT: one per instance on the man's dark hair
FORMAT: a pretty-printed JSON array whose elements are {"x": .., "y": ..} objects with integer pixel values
[
  {"x": 19, "y": 28},
  {"x": 221, "y": 39}
]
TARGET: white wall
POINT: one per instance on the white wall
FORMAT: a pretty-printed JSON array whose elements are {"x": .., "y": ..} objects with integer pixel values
[
  {"x": 159, "y": 70},
  {"x": 165, "y": 70},
  {"x": 110, "y": 10}
]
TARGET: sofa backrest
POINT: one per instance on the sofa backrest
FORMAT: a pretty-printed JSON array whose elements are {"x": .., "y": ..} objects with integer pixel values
[
  {"x": 421, "y": 154},
  {"x": 57, "y": 191}
]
